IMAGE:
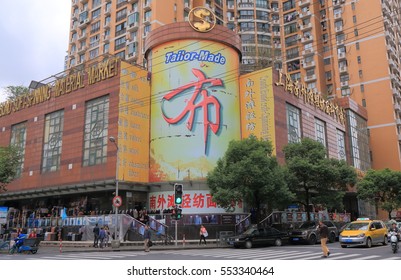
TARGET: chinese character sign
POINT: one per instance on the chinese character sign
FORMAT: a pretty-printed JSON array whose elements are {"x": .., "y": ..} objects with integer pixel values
[
  {"x": 194, "y": 108},
  {"x": 198, "y": 202},
  {"x": 257, "y": 105}
]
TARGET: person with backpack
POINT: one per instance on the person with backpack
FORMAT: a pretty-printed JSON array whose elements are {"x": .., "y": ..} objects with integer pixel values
[
  {"x": 203, "y": 234},
  {"x": 102, "y": 237}
]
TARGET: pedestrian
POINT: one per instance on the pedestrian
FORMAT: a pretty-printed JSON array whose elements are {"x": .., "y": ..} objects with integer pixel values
[
  {"x": 203, "y": 234},
  {"x": 102, "y": 237},
  {"x": 32, "y": 234},
  {"x": 146, "y": 236},
  {"x": 107, "y": 230},
  {"x": 324, "y": 234},
  {"x": 96, "y": 231}
]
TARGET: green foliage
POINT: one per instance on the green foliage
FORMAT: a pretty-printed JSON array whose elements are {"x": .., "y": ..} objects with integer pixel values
[
  {"x": 9, "y": 160},
  {"x": 314, "y": 177},
  {"x": 13, "y": 92},
  {"x": 382, "y": 186},
  {"x": 249, "y": 172}
]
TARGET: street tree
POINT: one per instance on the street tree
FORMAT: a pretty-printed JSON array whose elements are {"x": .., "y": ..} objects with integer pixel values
[
  {"x": 248, "y": 172},
  {"x": 315, "y": 178},
  {"x": 13, "y": 92},
  {"x": 9, "y": 161},
  {"x": 381, "y": 187}
]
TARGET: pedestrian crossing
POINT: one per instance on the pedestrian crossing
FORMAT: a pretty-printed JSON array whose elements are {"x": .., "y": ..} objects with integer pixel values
[
  {"x": 277, "y": 254},
  {"x": 218, "y": 254}
]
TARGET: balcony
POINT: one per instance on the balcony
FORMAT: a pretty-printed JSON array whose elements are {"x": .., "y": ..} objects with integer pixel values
[
  {"x": 308, "y": 52},
  {"x": 132, "y": 26},
  {"x": 75, "y": 3},
  {"x": 276, "y": 21},
  {"x": 397, "y": 107},
  {"x": 337, "y": 3},
  {"x": 106, "y": 38},
  {"x": 338, "y": 16},
  {"x": 305, "y": 27},
  {"x": 306, "y": 39},
  {"x": 276, "y": 33},
  {"x": 340, "y": 42},
  {"x": 229, "y": 7},
  {"x": 84, "y": 23},
  {"x": 303, "y": 3},
  {"x": 344, "y": 84},
  {"x": 339, "y": 28},
  {"x": 389, "y": 35},
  {"x": 398, "y": 122},
  {"x": 82, "y": 50},
  {"x": 107, "y": 25},
  {"x": 107, "y": 11},
  {"x": 146, "y": 6},
  {"x": 131, "y": 56},
  {"x": 82, "y": 37},
  {"x": 392, "y": 64},
  {"x": 343, "y": 69},
  {"x": 145, "y": 34},
  {"x": 341, "y": 56},
  {"x": 308, "y": 65},
  {"x": 131, "y": 39},
  {"x": 399, "y": 137},
  {"x": 275, "y": 10},
  {"x": 146, "y": 21},
  {"x": 310, "y": 78},
  {"x": 303, "y": 15}
]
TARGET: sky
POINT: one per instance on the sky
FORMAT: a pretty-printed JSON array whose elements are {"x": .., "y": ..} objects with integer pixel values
[{"x": 33, "y": 40}]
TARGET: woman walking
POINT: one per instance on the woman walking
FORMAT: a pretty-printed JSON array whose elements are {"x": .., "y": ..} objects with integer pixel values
[{"x": 203, "y": 234}]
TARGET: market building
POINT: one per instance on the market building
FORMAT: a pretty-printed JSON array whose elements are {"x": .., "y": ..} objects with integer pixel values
[{"x": 146, "y": 129}]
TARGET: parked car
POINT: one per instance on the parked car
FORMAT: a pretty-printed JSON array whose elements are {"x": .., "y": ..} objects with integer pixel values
[
  {"x": 365, "y": 232},
  {"x": 259, "y": 237},
  {"x": 308, "y": 233}
]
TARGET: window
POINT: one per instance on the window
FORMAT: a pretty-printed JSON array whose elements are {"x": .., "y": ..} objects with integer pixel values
[
  {"x": 18, "y": 139},
  {"x": 328, "y": 75},
  {"x": 359, "y": 141},
  {"x": 345, "y": 91},
  {"x": 95, "y": 27},
  {"x": 362, "y": 88},
  {"x": 147, "y": 15},
  {"x": 359, "y": 59},
  {"x": 356, "y": 32},
  {"x": 341, "y": 145},
  {"x": 320, "y": 130},
  {"x": 122, "y": 14},
  {"x": 293, "y": 124},
  {"x": 94, "y": 53},
  {"x": 96, "y": 131},
  {"x": 96, "y": 13},
  {"x": 133, "y": 19},
  {"x": 354, "y": 19},
  {"x": 290, "y": 28},
  {"x": 357, "y": 45},
  {"x": 120, "y": 29},
  {"x": 326, "y": 49},
  {"x": 94, "y": 41},
  {"x": 119, "y": 43},
  {"x": 364, "y": 102},
  {"x": 292, "y": 53},
  {"x": 288, "y": 5},
  {"x": 96, "y": 3},
  {"x": 353, "y": 6},
  {"x": 52, "y": 143},
  {"x": 106, "y": 48},
  {"x": 360, "y": 72},
  {"x": 291, "y": 40},
  {"x": 327, "y": 61}
]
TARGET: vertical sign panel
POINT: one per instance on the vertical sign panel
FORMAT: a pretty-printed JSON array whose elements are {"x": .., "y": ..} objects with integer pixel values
[
  {"x": 133, "y": 124},
  {"x": 257, "y": 105}
]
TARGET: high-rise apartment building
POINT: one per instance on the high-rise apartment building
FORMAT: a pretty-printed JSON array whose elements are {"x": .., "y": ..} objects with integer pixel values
[{"x": 336, "y": 47}]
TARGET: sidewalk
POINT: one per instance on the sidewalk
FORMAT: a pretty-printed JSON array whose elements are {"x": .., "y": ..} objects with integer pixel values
[{"x": 87, "y": 246}]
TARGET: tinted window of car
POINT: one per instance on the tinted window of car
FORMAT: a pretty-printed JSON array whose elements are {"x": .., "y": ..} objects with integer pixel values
[
  {"x": 378, "y": 225},
  {"x": 329, "y": 224}
]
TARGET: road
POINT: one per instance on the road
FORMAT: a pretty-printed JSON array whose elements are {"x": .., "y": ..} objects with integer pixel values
[{"x": 289, "y": 252}]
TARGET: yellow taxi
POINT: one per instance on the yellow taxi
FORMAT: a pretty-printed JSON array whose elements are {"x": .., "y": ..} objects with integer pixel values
[{"x": 365, "y": 232}]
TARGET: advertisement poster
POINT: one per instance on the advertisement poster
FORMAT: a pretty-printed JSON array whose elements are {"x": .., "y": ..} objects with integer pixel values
[
  {"x": 194, "y": 108},
  {"x": 3, "y": 215}
]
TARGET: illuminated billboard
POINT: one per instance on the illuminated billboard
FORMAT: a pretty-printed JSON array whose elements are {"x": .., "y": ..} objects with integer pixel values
[
  {"x": 257, "y": 105},
  {"x": 194, "y": 107},
  {"x": 133, "y": 124}
]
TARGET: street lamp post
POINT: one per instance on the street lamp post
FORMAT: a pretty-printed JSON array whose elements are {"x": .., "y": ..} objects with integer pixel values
[{"x": 116, "y": 240}]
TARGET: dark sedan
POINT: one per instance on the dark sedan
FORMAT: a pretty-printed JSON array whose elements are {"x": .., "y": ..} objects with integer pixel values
[{"x": 259, "y": 237}]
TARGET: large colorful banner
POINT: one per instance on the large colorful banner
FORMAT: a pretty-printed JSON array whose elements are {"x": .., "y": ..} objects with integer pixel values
[
  {"x": 257, "y": 105},
  {"x": 133, "y": 124},
  {"x": 194, "y": 108}
]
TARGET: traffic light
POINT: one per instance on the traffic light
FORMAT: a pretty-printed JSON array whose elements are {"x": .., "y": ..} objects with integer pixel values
[
  {"x": 178, "y": 193},
  {"x": 178, "y": 213}
]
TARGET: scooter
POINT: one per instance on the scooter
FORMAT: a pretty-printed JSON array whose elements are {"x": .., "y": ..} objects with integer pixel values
[
  {"x": 394, "y": 241},
  {"x": 24, "y": 244}
]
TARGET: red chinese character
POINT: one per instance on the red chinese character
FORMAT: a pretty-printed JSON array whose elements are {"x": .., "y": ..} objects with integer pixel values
[
  {"x": 209, "y": 201},
  {"x": 186, "y": 201},
  {"x": 152, "y": 202},
  {"x": 200, "y": 99},
  {"x": 161, "y": 201},
  {"x": 198, "y": 201},
  {"x": 170, "y": 201}
]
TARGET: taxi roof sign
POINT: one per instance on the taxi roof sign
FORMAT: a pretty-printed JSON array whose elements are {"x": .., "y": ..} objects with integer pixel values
[{"x": 363, "y": 219}]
